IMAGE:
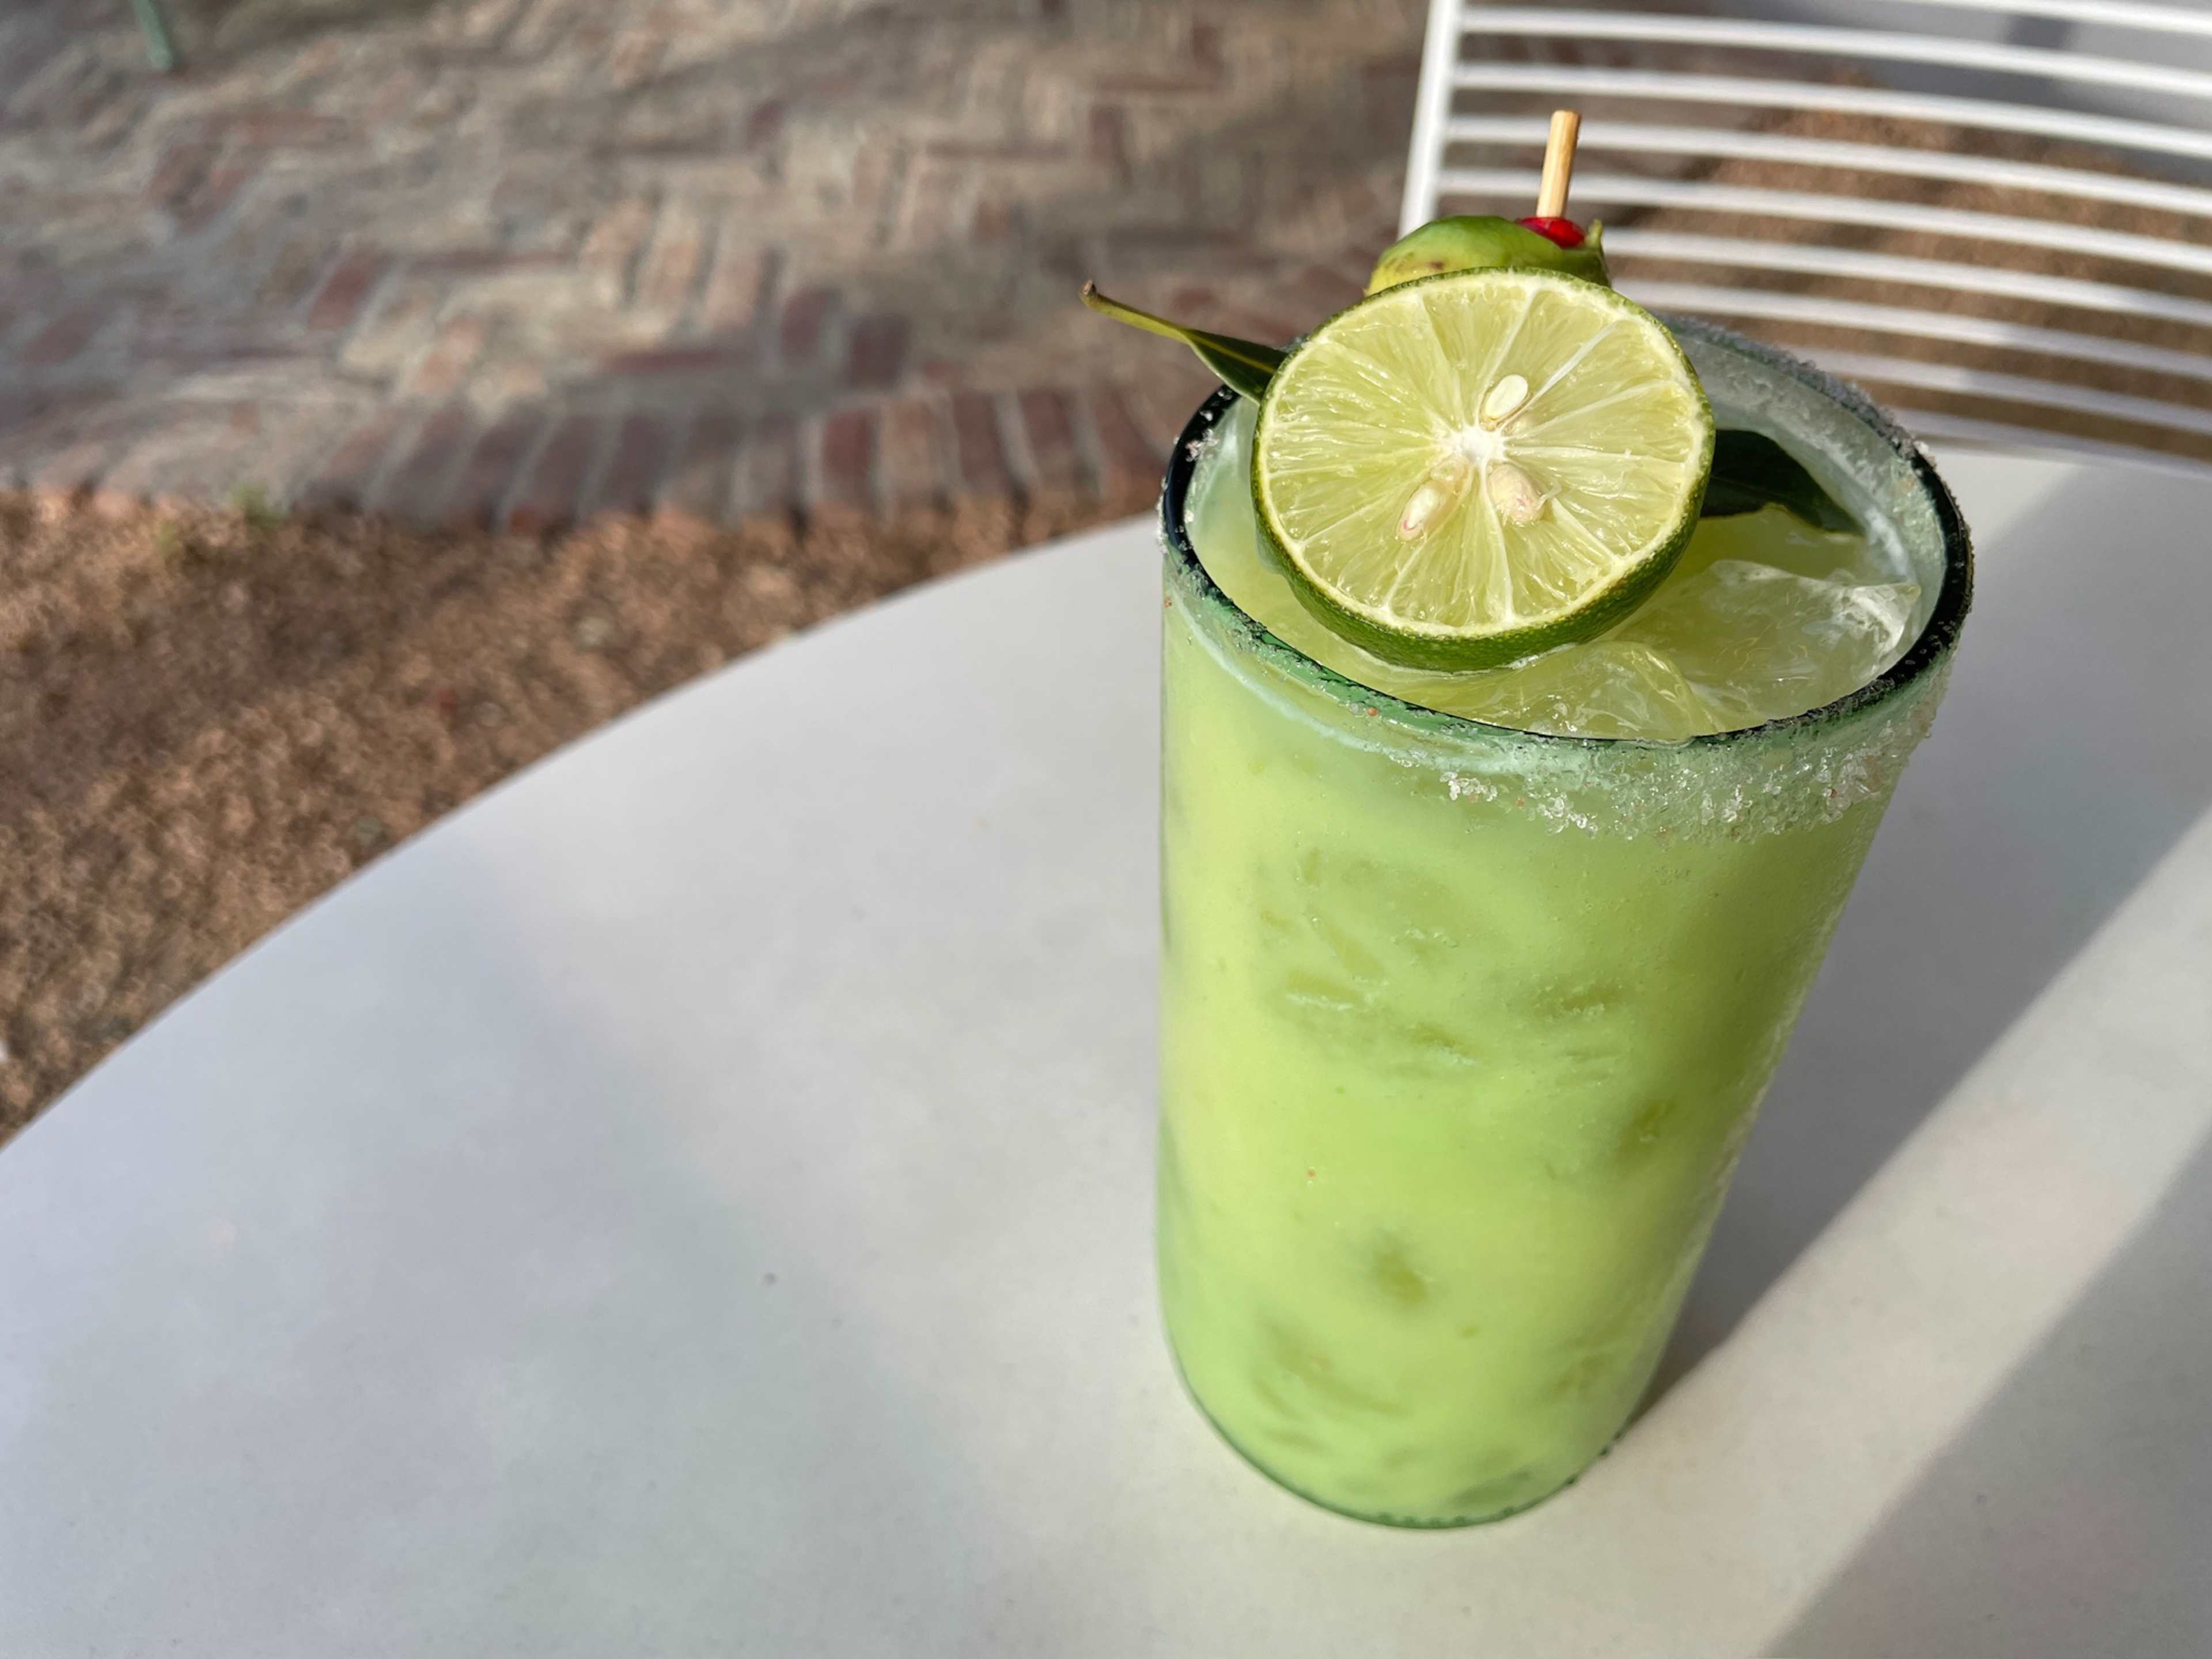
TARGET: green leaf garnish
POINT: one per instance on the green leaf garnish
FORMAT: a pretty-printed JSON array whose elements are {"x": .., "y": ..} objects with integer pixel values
[
  {"x": 1751, "y": 471},
  {"x": 1246, "y": 365}
]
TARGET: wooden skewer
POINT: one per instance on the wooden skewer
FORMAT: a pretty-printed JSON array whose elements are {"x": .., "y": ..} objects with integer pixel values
[{"x": 1559, "y": 164}]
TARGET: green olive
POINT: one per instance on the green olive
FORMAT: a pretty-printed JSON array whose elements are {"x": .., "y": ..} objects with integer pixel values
[{"x": 1471, "y": 242}]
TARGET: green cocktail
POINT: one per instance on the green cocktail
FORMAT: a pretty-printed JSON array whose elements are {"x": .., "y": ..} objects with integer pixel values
[{"x": 1463, "y": 1027}]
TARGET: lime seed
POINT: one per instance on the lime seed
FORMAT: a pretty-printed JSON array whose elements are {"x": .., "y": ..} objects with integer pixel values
[
  {"x": 1504, "y": 401},
  {"x": 1516, "y": 496}
]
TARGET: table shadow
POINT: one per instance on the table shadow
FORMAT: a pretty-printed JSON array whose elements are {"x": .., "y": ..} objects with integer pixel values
[
  {"x": 2071, "y": 753},
  {"x": 1985, "y": 1555}
]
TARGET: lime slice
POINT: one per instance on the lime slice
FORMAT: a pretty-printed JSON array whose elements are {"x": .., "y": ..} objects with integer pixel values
[{"x": 1462, "y": 471}]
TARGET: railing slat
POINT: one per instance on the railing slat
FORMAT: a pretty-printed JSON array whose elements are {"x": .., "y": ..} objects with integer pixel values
[
  {"x": 1998, "y": 282},
  {"x": 1958, "y": 327},
  {"x": 2000, "y": 434},
  {"x": 1993, "y": 115},
  {"x": 1431, "y": 108},
  {"x": 2122, "y": 14},
  {"x": 2017, "y": 389},
  {"x": 1637, "y": 136},
  {"x": 1881, "y": 45},
  {"x": 1825, "y": 208}
]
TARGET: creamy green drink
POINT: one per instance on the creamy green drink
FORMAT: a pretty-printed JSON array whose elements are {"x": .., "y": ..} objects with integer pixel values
[{"x": 1473, "y": 976}]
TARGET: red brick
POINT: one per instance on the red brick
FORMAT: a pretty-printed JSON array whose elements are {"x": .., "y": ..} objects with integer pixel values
[
  {"x": 78, "y": 465},
  {"x": 345, "y": 290},
  {"x": 848, "y": 458},
  {"x": 1354, "y": 269},
  {"x": 1221, "y": 249},
  {"x": 486, "y": 262},
  {"x": 489, "y": 476},
  {"x": 634, "y": 469},
  {"x": 348, "y": 474},
  {"x": 672, "y": 360},
  {"x": 934, "y": 193},
  {"x": 962, "y": 149},
  {"x": 1128, "y": 464},
  {"x": 395, "y": 95},
  {"x": 879, "y": 169},
  {"x": 548, "y": 497},
  {"x": 65, "y": 337},
  {"x": 915, "y": 446},
  {"x": 710, "y": 146},
  {"x": 178, "y": 172},
  {"x": 544, "y": 24},
  {"x": 805, "y": 316},
  {"x": 671, "y": 265},
  {"x": 766, "y": 478},
  {"x": 878, "y": 351},
  {"x": 1109, "y": 136},
  {"x": 698, "y": 486},
  {"x": 612, "y": 247},
  {"x": 1323, "y": 291},
  {"x": 417, "y": 487},
  {"x": 18, "y": 410},
  {"x": 1162, "y": 403},
  {"x": 1261, "y": 323},
  {"x": 982, "y": 452},
  {"x": 637, "y": 55},
  {"x": 451, "y": 355},
  {"x": 765, "y": 124},
  {"x": 221, "y": 188},
  {"x": 148, "y": 469},
  {"x": 1146, "y": 85},
  {"x": 736, "y": 286},
  {"x": 287, "y": 128},
  {"x": 1393, "y": 66},
  {"x": 291, "y": 274},
  {"x": 485, "y": 20},
  {"x": 1049, "y": 424}
]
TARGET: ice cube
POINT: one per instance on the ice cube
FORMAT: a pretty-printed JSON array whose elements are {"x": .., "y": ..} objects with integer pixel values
[
  {"x": 1775, "y": 536},
  {"x": 1758, "y": 643},
  {"x": 1609, "y": 688}
]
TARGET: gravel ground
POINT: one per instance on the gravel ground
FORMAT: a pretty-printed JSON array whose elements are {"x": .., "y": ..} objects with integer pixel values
[{"x": 208, "y": 718}]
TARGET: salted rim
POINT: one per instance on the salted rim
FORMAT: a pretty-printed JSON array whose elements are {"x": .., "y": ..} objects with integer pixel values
[{"x": 1933, "y": 644}]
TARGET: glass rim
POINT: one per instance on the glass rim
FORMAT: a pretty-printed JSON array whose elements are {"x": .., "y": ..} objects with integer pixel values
[{"x": 1934, "y": 644}]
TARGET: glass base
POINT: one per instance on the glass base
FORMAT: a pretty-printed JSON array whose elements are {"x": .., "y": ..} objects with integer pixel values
[{"x": 1379, "y": 1518}]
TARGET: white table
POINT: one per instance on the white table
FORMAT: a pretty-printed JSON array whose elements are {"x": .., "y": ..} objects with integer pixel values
[{"x": 696, "y": 1201}]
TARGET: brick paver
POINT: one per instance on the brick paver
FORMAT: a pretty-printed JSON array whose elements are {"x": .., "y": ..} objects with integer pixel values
[{"x": 521, "y": 259}]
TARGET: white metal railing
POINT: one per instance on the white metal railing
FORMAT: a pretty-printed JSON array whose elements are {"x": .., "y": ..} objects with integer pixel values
[{"x": 1753, "y": 243}]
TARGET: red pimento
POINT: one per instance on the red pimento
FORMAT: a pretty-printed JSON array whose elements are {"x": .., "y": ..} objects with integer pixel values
[{"x": 1565, "y": 232}]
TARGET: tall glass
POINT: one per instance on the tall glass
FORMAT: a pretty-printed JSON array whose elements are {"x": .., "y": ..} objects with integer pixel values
[{"x": 1462, "y": 1028}]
